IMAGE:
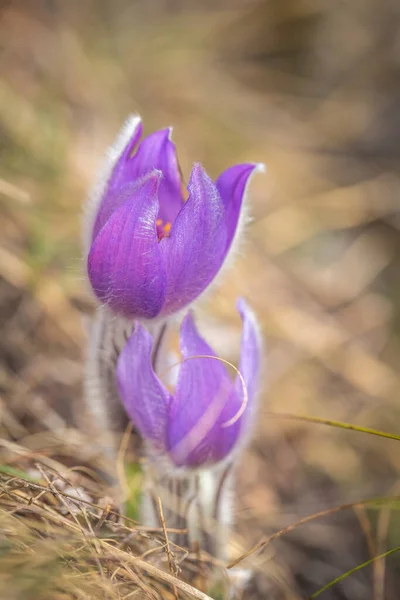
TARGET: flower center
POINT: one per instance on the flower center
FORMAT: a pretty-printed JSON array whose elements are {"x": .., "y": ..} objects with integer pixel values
[{"x": 163, "y": 229}]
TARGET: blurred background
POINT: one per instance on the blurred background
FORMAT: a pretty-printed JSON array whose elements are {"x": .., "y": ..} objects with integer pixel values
[{"x": 312, "y": 89}]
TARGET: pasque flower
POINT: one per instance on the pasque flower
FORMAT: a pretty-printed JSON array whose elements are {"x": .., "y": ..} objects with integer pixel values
[
  {"x": 208, "y": 415},
  {"x": 152, "y": 246}
]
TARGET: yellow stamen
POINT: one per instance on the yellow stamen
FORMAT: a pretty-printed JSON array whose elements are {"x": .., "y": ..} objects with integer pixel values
[{"x": 162, "y": 230}]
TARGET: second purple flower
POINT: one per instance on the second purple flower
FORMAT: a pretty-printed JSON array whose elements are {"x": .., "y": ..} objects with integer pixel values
[
  {"x": 151, "y": 250},
  {"x": 208, "y": 415}
]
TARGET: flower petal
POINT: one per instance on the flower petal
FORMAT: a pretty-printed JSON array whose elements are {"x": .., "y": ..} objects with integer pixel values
[
  {"x": 250, "y": 357},
  {"x": 204, "y": 400},
  {"x": 156, "y": 151},
  {"x": 231, "y": 185},
  {"x": 129, "y": 134},
  {"x": 118, "y": 174},
  {"x": 195, "y": 249},
  {"x": 124, "y": 263},
  {"x": 144, "y": 397}
]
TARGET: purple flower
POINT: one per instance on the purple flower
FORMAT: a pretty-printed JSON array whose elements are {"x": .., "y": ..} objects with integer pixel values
[
  {"x": 208, "y": 415},
  {"x": 150, "y": 250}
]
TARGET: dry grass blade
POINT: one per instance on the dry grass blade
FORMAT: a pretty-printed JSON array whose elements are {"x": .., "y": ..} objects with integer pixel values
[
  {"x": 172, "y": 567},
  {"x": 318, "y": 515},
  {"x": 157, "y": 573}
]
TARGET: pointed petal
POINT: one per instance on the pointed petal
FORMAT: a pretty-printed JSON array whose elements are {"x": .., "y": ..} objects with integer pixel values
[
  {"x": 231, "y": 185},
  {"x": 131, "y": 130},
  {"x": 124, "y": 263},
  {"x": 144, "y": 397},
  {"x": 156, "y": 151},
  {"x": 250, "y": 357},
  {"x": 195, "y": 249},
  {"x": 204, "y": 400},
  {"x": 116, "y": 176}
]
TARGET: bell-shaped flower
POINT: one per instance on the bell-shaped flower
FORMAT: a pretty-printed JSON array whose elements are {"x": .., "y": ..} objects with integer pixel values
[
  {"x": 152, "y": 246},
  {"x": 208, "y": 415}
]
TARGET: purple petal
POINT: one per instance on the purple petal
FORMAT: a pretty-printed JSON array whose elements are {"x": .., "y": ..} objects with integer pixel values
[
  {"x": 231, "y": 185},
  {"x": 156, "y": 151},
  {"x": 124, "y": 263},
  {"x": 119, "y": 177},
  {"x": 204, "y": 400},
  {"x": 195, "y": 249},
  {"x": 144, "y": 397},
  {"x": 250, "y": 357}
]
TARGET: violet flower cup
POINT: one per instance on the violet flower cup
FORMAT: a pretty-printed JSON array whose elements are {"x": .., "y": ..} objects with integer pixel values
[
  {"x": 208, "y": 416},
  {"x": 152, "y": 246}
]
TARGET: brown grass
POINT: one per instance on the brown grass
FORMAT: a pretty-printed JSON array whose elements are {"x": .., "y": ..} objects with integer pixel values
[{"x": 62, "y": 537}]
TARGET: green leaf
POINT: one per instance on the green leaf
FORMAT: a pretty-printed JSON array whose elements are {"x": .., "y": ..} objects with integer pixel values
[
  {"x": 354, "y": 570},
  {"x": 134, "y": 478},
  {"x": 340, "y": 424},
  {"x": 6, "y": 469}
]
